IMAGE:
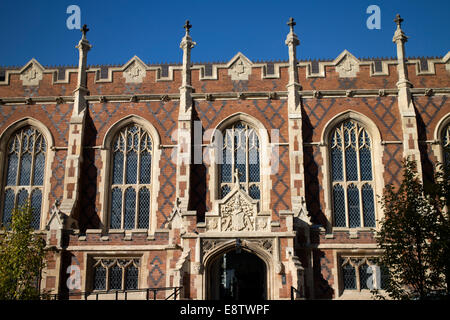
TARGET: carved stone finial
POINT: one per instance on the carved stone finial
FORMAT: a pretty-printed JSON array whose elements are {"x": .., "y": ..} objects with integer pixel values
[
  {"x": 398, "y": 20},
  {"x": 237, "y": 174},
  {"x": 291, "y": 23},
  {"x": 84, "y": 30},
  {"x": 187, "y": 26}
]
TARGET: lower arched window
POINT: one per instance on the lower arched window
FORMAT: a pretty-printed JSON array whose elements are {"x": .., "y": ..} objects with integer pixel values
[
  {"x": 24, "y": 171},
  {"x": 353, "y": 200},
  {"x": 116, "y": 274}
]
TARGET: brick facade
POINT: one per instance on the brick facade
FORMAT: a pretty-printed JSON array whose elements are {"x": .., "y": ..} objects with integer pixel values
[{"x": 82, "y": 107}]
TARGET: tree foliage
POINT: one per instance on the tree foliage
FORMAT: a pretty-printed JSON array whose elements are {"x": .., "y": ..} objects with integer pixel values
[
  {"x": 415, "y": 234},
  {"x": 22, "y": 254}
]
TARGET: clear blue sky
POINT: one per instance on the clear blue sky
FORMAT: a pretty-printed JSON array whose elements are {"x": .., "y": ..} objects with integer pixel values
[{"x": 152, "y": 30}]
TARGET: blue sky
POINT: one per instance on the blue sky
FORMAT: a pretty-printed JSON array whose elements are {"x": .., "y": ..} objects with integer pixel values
[{"x": 152, "y": 30}]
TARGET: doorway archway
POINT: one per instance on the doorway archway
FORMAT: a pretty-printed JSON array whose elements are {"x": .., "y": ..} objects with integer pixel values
[{"x": 237, "y": 275}]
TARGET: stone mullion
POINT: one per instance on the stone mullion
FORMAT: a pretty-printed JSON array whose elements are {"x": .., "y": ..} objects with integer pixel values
[
  {"x": 247, "y": 165},
  {"x": 123, "y": 277}
]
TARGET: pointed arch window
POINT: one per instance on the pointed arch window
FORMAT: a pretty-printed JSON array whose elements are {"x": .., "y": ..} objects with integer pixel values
[
  {"x": 24, "y": 173},
  {"x": 240, "y": 152},
  {"x": 131, "y": 179},
  {"x": 352, "y": 176},
  {"x": 115, "y": 274}
]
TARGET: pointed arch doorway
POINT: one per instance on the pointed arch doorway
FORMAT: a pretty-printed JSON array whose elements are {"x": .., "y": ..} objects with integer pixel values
[{"x": 237, "y": 275}]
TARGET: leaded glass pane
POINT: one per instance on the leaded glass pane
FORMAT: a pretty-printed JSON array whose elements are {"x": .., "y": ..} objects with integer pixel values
[
  {"x": 12, "y": 170},
  {"x": 116, "y": 208},
  {"x": 131, "y": 277},
  {"x": 225, "y": 190},
  {"x": 365, "y": 272},
  {"x": 254, "y": 192},
  {"x": 132, "y": 159},
  {"x": 130, "y": 208},
  {"x": 99, "y": 278},
  {"x": 144, "y": 208},
  {"x": 240, "y": 154},
  {"x": 254, "y": 166},
  {"x": 353, "y": 206},
  {"x": 39, "y": 166},
  {"x": 339, "y": 206},
  {"x": 368, "y": 206},
  {"x": 22, "y": 198},
  {"x": 25, "y": 170},
  {"x": 226, "y": 166},
  {"x": 36, "y": 202},
  {"x": 253, "y": 157},
  {"x": 365, "y": 164},
  {"x": 8, "y": 207},
  {"x": 115, "y": 278},
  {"x": 117, "y": 168},
  {"x": 349, "y": 277},
  {"x": 351, "y": 166},
  {"x": 336, "y": 164},
  {"x": 145, "y": 167}
]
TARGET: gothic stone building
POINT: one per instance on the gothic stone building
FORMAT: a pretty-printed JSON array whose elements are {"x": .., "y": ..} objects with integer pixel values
[{"x": 226, "y": 179}]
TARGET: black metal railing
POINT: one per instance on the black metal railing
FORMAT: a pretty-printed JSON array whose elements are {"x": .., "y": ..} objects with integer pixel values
[{"x": 150, "y": 294}]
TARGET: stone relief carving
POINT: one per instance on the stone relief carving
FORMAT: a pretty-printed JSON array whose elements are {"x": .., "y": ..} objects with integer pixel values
[
  {"x": 237, "y": 215},
  {"x": 134, "y": 73},
  {"x": 348, "y": 67},
  {"x": 209, "y": 245},
  {"x": 175, "y": 221},
  {"x": 302, "y": 213},
  {"x": 240, "y": 69},
  {"x": 237, "y": 212},
  {"x": 31, "y": 76}
]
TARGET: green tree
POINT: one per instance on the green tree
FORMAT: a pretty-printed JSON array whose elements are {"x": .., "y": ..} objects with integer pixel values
[
  {"x": 410, "y": 236},
  {"x": 22, "y": 254},
  {"x": 440, "y": 193}
]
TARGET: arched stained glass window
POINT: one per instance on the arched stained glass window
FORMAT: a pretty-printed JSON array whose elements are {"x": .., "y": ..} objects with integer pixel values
[
  {"x": 25, "y": 166},
  {"x": 240, "y": 152},
  {"x": 352, "y": 176},
  {"x": 131, "y": 179}
]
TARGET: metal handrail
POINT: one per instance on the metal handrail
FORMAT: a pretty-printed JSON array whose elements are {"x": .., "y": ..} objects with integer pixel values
[{"x": 62, "y": 296}]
